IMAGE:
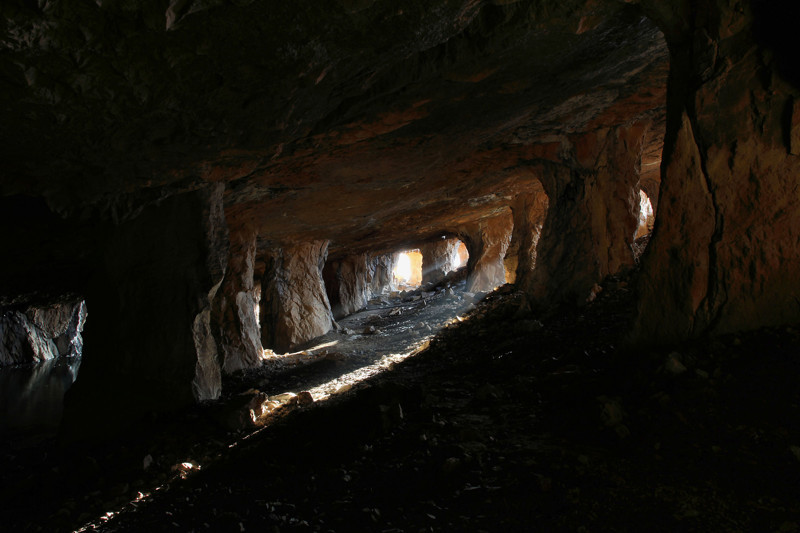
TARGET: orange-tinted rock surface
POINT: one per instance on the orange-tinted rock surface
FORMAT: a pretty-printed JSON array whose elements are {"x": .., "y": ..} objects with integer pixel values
[
  {"x": 370, "y": 127},
  {"x": 592, "y": 216},
  {"x": 726, "y": 244},
  {"x": 486, "y": 243},
  {"x": 529, "y": 211}
]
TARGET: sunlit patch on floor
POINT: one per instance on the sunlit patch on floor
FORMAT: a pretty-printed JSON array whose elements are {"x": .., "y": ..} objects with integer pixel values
[{"x": 346, "y": 382}]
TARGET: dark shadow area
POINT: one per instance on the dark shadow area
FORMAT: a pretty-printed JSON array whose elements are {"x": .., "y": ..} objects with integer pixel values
[
  {"x": 775, "y": 28},
  {"x": 32, "y": 400},
  {"x": 504, "y": 423}
]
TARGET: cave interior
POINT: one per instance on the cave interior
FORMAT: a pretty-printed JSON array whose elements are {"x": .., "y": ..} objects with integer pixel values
[{"x": 583, "y": 212}]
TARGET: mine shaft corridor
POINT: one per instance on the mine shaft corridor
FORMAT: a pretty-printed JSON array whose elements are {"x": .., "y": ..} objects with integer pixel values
[
  {"x": 533, "y": 422},
  {"x": 226, "y": 187}
]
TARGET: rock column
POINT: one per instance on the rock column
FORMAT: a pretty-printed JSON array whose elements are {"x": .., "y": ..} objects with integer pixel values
[
  {"x": 234, "y": 307},
  {"x": 148, "y": 344},
  {"x": 380, "y": 274},
  {"x": 438, "y": 258},
  {"x": 592, "y": 216},
  {"x": 725, "y": 250},
  {"x": 530, "y": 211},
  {"x": 348, "y": 284},
  {"x": 487, "y": 241},
  {"x": 294, "y": 305}
]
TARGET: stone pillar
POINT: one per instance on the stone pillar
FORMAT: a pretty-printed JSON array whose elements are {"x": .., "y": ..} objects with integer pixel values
[
  {"x": 725, "y": 250},
  {"x": 380, "y": 272},
  {"x": 592, "y": 216},
  {"x": 438, "y": 258},
  {"x": 347, "y": 284},
  {"x": 529, "y": 210},
  {"x": 147, "y": 343},
  {"x": 487, "y": 241},
  {"x": 294, "y": 305},
  {"x": 234, "y": 307}
]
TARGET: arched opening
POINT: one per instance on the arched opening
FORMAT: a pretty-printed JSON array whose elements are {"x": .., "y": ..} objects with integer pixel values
[
  {"x": 646, "y": 216},
  {"x": 408, "y": 270}
]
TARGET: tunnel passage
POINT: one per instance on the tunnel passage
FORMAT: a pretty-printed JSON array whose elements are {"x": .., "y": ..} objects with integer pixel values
[
  {"x": 408, "y": 270},
  {"x": 400, "y": 148},
  {"x": 351, "y": 281}
]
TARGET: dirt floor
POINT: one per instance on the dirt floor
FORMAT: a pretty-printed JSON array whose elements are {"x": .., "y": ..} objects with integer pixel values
[{"x": 503, "y": 421}]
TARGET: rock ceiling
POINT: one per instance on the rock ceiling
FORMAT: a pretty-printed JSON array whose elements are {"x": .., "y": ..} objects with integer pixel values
[{"x": 370, "y": 123}]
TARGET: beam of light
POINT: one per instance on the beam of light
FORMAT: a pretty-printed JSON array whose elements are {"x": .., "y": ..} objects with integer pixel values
[
  {"x": 296, "y": 357},
  {"x": 339, "y": 385},
  {"x": 645, "y": 215}
]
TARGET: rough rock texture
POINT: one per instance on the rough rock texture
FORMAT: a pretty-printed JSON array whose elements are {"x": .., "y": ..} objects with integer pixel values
[
  {"x": 351, "y": 281},
  {"x": 41, "y": 334},
  {"x": 52, "y": 321},
  {"x": 422, "y": 117},
  {"x": 438, "y": 258},
  {"x": 234, "y": 306},
  {"x": 487, "y": 242},
  {"x": 726, "y": 243},
  {"x": 294, "y": 305},
  {"x": 592, "y": 216},
  {"x": 149, "y": 299},
  {"x": 67, "y": 337},
  {"x": 529, "y": 211},
  {"x": 380, "y": 272},
  {"x": 22, "y": 342},
  {"x": 347, "y": 282}
]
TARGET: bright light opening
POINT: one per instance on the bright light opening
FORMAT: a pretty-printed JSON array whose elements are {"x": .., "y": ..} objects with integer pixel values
[
  {"x": 461, "y": 255},
  {"x": 403, "y": 269},
  {"x": 646, "y": 217},
  {"x": 408, "y": 270}
]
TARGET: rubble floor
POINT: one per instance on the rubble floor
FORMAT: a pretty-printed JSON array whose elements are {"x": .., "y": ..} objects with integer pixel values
[{"x": 503, "y": 421}]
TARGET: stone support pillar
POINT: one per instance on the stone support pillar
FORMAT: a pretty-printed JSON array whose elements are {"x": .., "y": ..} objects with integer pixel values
[
  {"x": 592, "y": 216},
  {"x": 487, "y": 241},
  {"x": 438, "y": 258},
  {"x": 294, "y": 305},
  {"x": 529, "y": 210},
  {"x": 347, "y": 284},
  {"x": 725, "y": 250},
  {"x": 380, "y": 273},
  {"x": 234, "y": 307}
]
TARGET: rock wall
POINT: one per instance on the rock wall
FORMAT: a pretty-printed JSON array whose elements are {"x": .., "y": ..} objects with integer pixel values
[
  {"x": 593, "y": 215},
  {"x": 347, "y": 282},
  {"x": 529, "y": 211},
  {"x": 148, "y": 345},
  {"x": 234, "y": 306},
  {"x": 41, "y": 333},
  {"x": 294, "y": 305},
  {"x": 438, "y": 258},
  {"x": 726, "y": 242},
  {"x": 380, "y": 272},
  {"x": 487, "y": 241}
]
